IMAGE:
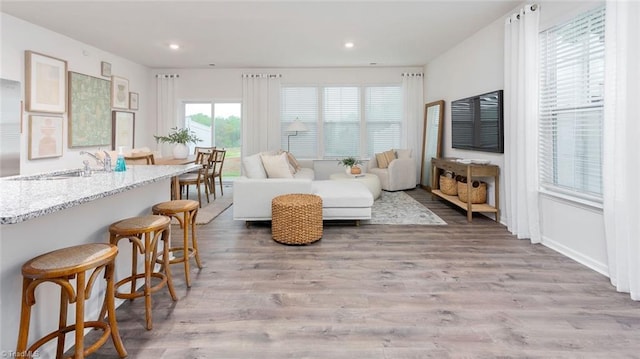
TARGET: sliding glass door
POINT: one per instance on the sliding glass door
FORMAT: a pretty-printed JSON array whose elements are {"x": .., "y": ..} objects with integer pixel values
[{"x": 217, "y": 124}]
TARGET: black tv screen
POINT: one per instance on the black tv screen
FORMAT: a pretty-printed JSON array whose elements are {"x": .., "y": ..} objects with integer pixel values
[{"x": 477, "y": 123}]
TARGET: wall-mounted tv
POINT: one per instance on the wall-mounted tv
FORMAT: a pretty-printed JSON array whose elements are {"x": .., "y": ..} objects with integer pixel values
[{"x": 477, "y": 123}]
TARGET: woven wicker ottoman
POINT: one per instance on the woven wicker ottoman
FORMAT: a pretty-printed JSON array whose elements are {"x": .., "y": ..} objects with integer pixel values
[{"x": 296, "y": 218}]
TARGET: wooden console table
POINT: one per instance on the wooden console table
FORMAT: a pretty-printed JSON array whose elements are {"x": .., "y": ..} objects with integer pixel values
[{"x": 470, "y": 170}]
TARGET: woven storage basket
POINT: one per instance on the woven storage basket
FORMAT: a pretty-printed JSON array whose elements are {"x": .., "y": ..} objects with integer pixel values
[
  {"x": 296, "y": 218},
  {"x": 478, "y": 192},
  {"x": 448, "y": 184}
]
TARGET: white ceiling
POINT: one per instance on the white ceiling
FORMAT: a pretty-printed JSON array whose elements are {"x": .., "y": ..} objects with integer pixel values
[{"x": 265, "y": 33}]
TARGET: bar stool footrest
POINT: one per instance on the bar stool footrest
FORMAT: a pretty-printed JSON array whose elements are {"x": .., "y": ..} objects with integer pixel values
[
  {"x": 140, "y": 292},
  {"x": 70, "y": 328}
]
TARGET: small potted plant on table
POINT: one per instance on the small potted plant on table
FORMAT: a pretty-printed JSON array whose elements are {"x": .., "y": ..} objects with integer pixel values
[
  {"x": 351, "y": 164},
  {"x": 180, "y": 137}
]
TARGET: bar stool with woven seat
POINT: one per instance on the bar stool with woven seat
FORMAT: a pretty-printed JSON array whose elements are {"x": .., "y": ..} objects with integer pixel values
[
  {"x": 185, "y": 211},
  {"x": 144, "y": 232},
  {"x": 60, "y": 267}
]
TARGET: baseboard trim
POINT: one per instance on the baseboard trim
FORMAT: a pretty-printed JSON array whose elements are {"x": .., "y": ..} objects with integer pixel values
[{"x": 576, "y": 256}]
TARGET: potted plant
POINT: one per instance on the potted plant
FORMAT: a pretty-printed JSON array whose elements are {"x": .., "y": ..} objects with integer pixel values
[
  {"x": 351, "y": 164},
  {"x": 180, "y": 137}
]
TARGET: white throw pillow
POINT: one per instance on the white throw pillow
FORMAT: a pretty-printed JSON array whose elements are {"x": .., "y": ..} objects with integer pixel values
[
  {"x": 253, "y": 167},
  {"x": 403, "y": 154},
  {"x": 277, "y": 166}
]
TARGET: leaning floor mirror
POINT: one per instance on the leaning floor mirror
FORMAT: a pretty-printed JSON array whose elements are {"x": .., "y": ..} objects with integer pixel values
[{"x": 431, "y": 140}]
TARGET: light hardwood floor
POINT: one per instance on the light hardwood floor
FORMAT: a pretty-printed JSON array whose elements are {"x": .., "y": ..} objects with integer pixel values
[{"x": 465, "y": 290}]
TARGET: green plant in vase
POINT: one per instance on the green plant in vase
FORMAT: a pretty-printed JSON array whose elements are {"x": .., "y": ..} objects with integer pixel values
[
  {"x": 180, "y": 137},
  {"x": 351, "y": 164}
]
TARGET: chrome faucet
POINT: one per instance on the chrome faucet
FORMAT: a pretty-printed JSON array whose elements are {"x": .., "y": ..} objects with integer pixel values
[{"x": 105, "y": 163}]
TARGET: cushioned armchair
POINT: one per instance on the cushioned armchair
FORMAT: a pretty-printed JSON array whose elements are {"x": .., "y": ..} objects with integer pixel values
[{"x": 395, "y": 168}]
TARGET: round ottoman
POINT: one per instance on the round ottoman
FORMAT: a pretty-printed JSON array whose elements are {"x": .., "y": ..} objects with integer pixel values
[{"x": 296, "y": 218}]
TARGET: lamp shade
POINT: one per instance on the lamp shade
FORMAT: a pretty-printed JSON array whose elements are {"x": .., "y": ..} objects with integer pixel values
[{"x": 297, "y": 126}]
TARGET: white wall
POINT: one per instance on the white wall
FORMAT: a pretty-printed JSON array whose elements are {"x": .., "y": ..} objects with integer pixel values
[
  {"x": 19, "y": 36},
  {"x": 476, "y": 66},
  {"x": 226, "y": 84}
]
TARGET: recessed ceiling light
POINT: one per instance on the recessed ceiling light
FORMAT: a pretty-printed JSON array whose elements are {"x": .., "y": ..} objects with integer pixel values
[
  {"x": 348, "y": 45},
  {"x": 174, "y": 46},
  {"x": 373, "y": 63}
]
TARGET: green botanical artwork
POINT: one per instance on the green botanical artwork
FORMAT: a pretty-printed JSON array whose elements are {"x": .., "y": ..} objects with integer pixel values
[{"x": 90, "y": 111}]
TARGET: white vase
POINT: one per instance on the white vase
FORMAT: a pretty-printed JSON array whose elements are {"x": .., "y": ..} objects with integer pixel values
[
  {"x": 180, "y": 151},
  {"x": 347, "y": 169}
]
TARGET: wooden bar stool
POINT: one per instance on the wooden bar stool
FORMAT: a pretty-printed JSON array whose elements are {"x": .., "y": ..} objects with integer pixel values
[
  {"x": 185, "y": 211},
  {"x": 60, "y": 267},
  {"x": 144, "y": 233}
]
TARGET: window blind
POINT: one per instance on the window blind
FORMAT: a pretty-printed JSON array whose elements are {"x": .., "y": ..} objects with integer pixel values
[
  {"x": 571, "y": 106},
  {"x": 383, "y": 118},
  {"x": 341, "y": 121},
  {"x": 300, "y": 103}
]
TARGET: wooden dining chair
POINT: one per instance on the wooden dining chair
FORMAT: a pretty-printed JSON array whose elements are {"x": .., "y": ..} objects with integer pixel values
[
  {"x": 140, "y": 159},
  {"x": 198, "y": 177},
  {"x": 215, "y": 170}
]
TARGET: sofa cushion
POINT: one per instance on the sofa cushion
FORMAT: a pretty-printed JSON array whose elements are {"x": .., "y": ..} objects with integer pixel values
[
  {"x": 305, "y": 173},
  {"x": 342, "y": 194},
  {"x": 253, "y": 167},
  {"x": 277, "y": 166}
]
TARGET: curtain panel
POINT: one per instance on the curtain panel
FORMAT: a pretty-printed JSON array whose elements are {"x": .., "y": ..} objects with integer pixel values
[
  {"x": 621, "y": 163},
  {"x": 166, "y": 109},
  {"x": 260, "y": 113},
  {"x": 413, "y": 113},
  {"x": 521, "y": 123}
]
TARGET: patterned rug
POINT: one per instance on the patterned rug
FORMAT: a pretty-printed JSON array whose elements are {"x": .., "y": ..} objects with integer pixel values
[{"x": 400, "y": 208}]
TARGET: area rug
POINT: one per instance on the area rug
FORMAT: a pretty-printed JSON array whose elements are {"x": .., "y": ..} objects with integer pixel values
[
  {"x": 400, "y": 208},
  {"x": 211, "y": 210}
]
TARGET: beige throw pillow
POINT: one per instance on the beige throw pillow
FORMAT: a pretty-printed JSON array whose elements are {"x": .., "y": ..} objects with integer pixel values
[
  {"x": 382, "y": 160},
  {"x": 293, "y": 162},
  {"x": 277, "y": 166}
]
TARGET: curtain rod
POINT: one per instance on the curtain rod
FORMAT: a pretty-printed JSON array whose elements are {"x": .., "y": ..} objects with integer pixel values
[
  {"x": 271, "y": 76},
  {"x": 167, "y": 76},
  {"x": 532, "y": 7},
  {"x": 412, "y": 74}
]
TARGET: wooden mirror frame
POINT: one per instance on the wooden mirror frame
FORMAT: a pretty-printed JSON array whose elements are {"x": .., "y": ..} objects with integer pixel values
[{"x": 433, "y": 123}]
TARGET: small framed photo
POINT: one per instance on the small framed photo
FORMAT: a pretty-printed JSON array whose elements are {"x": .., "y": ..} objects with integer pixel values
[
  {"x": 133, "y": 100},
  {"x": 105, "y": 69},
  {"x": 123, "y": 129},
  {"x": 46, "y": 83},
  {"x": 119, "y": 92},
  {"x": 45, "y": 137}
]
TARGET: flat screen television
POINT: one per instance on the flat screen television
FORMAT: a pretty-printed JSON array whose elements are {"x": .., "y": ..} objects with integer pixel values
[{"x": 477, "y": 123}]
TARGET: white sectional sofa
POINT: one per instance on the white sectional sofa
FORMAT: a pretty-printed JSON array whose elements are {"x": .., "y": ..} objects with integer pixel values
[{"x": 252, "y": 193}]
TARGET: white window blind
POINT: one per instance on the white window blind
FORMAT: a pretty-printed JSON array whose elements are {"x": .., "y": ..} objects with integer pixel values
[
  {"x": 301, "y": 103},
  {"x": 341, "y": 121},
  {"x": 383, "y": 116},
  {"x": 571, "y": 106}
]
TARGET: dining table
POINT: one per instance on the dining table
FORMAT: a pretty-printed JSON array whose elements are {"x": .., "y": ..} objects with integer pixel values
[{"x": 172, "y": 161}]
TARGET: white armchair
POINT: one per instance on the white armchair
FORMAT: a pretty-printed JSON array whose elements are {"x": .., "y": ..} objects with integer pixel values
[{"x": 399, "y": 174}]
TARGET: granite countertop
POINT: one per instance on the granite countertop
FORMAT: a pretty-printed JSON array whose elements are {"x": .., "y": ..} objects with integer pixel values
[{"x": 26, "y": 197}]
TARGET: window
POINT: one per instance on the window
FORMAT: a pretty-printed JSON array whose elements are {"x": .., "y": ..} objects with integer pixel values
[
  {"x": 217, "y": 124},
  {"x": 571, "y": 106},
  {"x": 342, "y": 120}
]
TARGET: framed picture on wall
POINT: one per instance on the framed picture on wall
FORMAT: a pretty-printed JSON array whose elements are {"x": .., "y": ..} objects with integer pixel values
[
  {"x": 133, "y": 100},
  {"x": 119, "y": 92},
  {"x": 123, "y": 129},
  {"x": 105, "y": 69},
  {"x": 45, "y": 137},
  {"x": 46, "y": 83},
  {"x": 89, "y": 111}
]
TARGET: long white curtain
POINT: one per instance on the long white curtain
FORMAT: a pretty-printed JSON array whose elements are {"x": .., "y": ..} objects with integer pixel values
[
  {"x": 166, "y": 108},
  {"x": 413, "y": 111},
  {"x": 621, "y": 168},
  {"x": 521, "y": 123},
  {"x": 260, "y": 113}
]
